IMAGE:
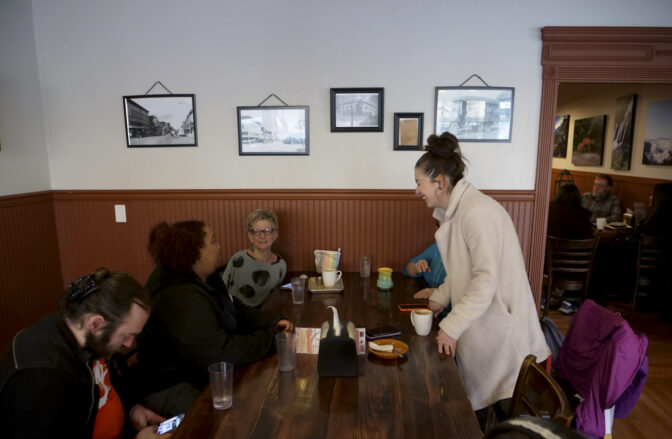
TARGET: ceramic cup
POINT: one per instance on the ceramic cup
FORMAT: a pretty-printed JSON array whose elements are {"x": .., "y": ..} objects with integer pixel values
[
  {"x": 330, "y": 277},
  {"x": 422, "y": 321}
]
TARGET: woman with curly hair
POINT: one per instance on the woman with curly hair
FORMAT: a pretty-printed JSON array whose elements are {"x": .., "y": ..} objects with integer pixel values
[
  {"x": 493, "y": 324},
  {"x": 195, "y": 321}
]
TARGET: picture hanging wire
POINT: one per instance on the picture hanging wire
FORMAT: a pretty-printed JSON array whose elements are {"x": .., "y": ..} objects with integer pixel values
[
  {"x": 269, "y": 97},
  {"x": 158, "y": 82},
  {"x": 481, "y": 79}
]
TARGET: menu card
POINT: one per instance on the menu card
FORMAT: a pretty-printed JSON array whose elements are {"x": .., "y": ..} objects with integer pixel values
[{"x": 308, "y": 340}]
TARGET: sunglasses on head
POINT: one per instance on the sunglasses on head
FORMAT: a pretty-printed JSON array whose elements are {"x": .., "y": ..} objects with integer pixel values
[{"x": 82, "y": 288}]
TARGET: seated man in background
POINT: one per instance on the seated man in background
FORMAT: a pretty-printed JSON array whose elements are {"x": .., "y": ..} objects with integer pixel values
[
  {"x": 54, "y": 377},
  {"x": 601, "y": 202}
]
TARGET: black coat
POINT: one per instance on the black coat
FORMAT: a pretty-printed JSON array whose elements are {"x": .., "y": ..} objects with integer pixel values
[
  {"x": 46, "y": 384},
  {"x": 194, "y": 324},
  {"x": 569, "y": 222}
]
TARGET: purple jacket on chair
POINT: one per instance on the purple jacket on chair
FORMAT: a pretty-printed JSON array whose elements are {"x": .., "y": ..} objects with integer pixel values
[{"x": 606, "y": 363}]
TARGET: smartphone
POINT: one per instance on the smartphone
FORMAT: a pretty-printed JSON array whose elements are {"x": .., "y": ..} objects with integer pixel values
[
  {"x": 412, "y": 306},
  {"x": 382, "y": 332},
  {"x": 170, "y": 424}
]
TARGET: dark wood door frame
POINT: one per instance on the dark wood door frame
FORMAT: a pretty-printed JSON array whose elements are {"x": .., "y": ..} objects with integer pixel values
[{"x": 588, "y": 54}]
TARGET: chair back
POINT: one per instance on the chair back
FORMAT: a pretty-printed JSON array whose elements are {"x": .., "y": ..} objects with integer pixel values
[
  {"x": 652, "y": 258},
  {"x": 538, "y": 394},
  {"x": 568, "y": 265}
]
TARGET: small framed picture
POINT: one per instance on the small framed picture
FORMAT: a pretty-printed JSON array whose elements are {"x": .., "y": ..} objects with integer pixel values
[
  {"x": 356, "y": 109},
  {"x": 408, "y": 131},
  {"x": 475, "y": 114},
  {"x": 160, "y": 120},
  {"x": 588, "y": 141},
  {"x": 273, "y": 130},
  {"x": 560, "y": 136}
]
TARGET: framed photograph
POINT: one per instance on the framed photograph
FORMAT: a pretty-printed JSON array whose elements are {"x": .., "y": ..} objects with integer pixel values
[
  {"x": 356, "y": 109},
  {"x": 408, "y": 131},
  {"x": 160, "y": 120},
  {"x": 281, "y": 130},
  {"x": 658, "y": 137},
  {"x": 624, "y": 126},
  {"x": 560, "y": 136},
  {"x": 588, "y": 141},
  {"x": 475, "y": 114}
]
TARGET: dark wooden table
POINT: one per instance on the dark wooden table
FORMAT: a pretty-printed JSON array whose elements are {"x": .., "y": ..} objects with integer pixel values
[{"x": 420, "y": 396}]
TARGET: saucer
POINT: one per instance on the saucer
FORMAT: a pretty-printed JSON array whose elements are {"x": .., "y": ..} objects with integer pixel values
[{"x": 398, "y": 344}]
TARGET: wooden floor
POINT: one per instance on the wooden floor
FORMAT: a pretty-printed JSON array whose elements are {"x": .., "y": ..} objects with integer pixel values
[{"x": 652, "y": 415}]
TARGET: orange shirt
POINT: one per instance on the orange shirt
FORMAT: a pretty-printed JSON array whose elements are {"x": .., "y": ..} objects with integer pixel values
[{"x": 110, "y": 418}]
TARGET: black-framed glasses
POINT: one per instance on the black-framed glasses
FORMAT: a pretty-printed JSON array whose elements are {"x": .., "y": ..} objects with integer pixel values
[
  {"x": 82, "y": 288},
  {"x": 257, "y": 232}
]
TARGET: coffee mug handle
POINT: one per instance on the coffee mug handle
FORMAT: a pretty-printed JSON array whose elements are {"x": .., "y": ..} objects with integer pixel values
[
  {"x": 339, "y": 273},
  {"x": 412, "y": 321}
]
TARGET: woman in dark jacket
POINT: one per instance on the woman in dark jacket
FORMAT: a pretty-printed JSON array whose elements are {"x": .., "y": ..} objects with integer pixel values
[
  {"x": 566, "y": 218},
  {"x": 194, "y": 321},
  {"x": 659, "y": 221}
]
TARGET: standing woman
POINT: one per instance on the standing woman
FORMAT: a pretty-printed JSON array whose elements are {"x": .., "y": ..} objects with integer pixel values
[
  {"x": 251, "y": 274},
  {"x": 493, "y": 324}
]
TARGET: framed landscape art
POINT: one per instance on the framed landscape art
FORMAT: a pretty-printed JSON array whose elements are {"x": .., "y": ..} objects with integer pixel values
[
  {"x": 560, "y": 136},
  {"x": 658, "y": 137},
  {"x": 624, "y": 125},
  {"x": 588, "y": 142}
]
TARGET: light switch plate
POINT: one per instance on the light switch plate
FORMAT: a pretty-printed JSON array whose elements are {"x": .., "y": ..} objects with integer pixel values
[{"x": 120, "y": 213}]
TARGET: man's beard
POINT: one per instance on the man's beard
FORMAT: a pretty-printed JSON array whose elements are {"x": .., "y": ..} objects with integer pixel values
[
  {"x": 599, "y": 197},
  {"x": 99, "y": 345}
]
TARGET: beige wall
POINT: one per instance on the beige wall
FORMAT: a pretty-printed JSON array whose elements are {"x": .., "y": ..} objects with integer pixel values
[{"x": 588, "y": 100}]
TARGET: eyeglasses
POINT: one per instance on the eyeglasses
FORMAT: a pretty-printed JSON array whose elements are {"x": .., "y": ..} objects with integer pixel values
[
  {"x": 257, "y": 232},
  {"x": 82, "y": 288}
]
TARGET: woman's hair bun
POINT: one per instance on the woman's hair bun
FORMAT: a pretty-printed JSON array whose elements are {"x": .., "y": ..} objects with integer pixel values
[{"x": 444, "y": 145}]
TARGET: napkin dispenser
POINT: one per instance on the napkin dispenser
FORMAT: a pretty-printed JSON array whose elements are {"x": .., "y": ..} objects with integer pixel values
[{"x": 337, "y": 356}]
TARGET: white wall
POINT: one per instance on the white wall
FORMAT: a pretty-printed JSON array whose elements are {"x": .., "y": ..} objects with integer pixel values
[
  {"x": 91, "y": 53},
  {"x": 582, "y": 101},
  {"x": 24, "y": 166}
]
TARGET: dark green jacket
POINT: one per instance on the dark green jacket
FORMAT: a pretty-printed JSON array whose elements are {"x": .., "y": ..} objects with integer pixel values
[{"x": 194, "y": 324}]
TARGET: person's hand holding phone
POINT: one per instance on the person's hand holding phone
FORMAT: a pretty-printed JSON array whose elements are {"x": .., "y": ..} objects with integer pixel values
[
  {"x": 150, "y": 433},
  {"x": 141, "y": 417}
]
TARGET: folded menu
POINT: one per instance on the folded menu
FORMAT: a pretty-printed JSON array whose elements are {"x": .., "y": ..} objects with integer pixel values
[{"x": 308, "y": 340}]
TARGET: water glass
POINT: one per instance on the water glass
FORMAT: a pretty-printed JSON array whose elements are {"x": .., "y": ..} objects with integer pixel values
[
  {"x": 298, "y": 289},
  {"x": 285, "y": 343},
  {"x": 221, "y": 385},
  {"x": 365, "y": 266}
]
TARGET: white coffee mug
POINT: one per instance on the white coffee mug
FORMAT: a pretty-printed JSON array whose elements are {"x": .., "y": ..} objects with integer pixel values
[
  {"x": 422, "y": 321},
  {"x": 330, "y": 277},
  {"x": 601, "y": 222}
]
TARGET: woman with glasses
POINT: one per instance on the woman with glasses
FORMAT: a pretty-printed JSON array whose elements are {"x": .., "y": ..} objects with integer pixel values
[{"x": 251, "y": 274}]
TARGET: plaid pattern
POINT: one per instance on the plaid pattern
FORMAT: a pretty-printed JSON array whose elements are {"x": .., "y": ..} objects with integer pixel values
[{"x": 609, "y": 207}]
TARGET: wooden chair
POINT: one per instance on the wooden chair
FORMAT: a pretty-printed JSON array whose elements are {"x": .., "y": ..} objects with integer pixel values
[
  {"x": 652, "y": 258},
  {"x": 568, "y": 265},
  {"x": 538, "y": 394}
]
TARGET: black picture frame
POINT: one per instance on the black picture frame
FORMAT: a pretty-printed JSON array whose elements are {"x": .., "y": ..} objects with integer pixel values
[
  {"x": 408, "y": 131},
  {"x": 588, "y": 141},
  {"x": 160, "y": 120},
  {"x": 357, "y": 109},
  {"x": 560, "y": 136},
  {"x": 475, "y": 114},
  {"x": 273, "y": 130}
]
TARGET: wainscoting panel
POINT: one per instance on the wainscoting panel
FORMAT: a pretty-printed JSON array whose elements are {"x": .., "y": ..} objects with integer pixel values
[
  {"x": 30, "y": 271},
  {"x": 51, "y": 238}
]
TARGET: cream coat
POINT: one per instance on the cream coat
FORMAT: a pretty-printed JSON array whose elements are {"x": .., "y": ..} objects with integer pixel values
[{"x": 493, "y": 319}]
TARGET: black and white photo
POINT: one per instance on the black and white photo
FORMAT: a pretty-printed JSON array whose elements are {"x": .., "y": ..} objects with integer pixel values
[
  {"x": 475, "y": 114},
  {"x": 356, "y": 109},
  {"x": 273, "y": 130},
  {"x": 160, "y": 120}
]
